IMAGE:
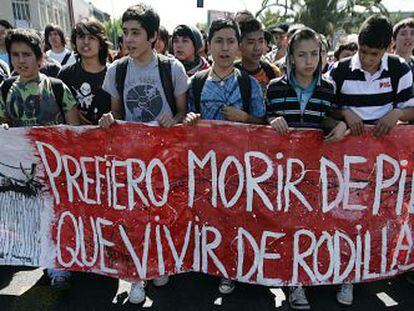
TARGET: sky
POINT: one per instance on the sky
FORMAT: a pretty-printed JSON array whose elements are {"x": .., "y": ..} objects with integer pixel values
[{"x": 174, "y": 12}]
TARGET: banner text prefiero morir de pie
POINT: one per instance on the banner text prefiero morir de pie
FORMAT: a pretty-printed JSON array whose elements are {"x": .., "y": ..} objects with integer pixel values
[{"x": 137, "y": 201}]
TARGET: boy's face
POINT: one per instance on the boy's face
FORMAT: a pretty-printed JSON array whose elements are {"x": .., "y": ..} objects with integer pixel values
[
  {"x": 136, "y": 39},
  {"x": 87, "y": 45},
  {"x": 54, "y": 40},
  {"x": 224, "y": 47},
  {"x": 345, "y": 54},
  {"x": 305, "y": 57},
  {"x": 251, "y": 47},
  {"x": 24, "y": 61},
  {"x": 370, "y": 58},
  {"x": 404, "y": 41},
  {"x": 183, "y": 48}
]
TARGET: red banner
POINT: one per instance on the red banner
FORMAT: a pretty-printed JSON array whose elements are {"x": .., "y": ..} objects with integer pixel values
[{"x": 137, "y": 201}]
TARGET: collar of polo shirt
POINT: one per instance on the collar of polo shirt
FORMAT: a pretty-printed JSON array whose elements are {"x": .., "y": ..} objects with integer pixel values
[{"x": 356, "y": 63}]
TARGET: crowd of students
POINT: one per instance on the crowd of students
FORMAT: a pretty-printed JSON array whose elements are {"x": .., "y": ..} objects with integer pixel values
[{"x": 231, "y": 73}]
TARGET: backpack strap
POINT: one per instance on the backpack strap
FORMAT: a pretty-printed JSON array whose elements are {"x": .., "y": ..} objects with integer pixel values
[
  {"x": 164, "y": 67},
  {"x": 395, "y": 70},
  {"x": 197, "y": 84},
  {"x": 57, "y": 89},
  {"x": 268, "y": 70},
  {"x": 66, "y": 58},
  {"x": 5, "y": 87},
  {"x": 120, "y": 76},
  {"x": 245, "y": 87}
]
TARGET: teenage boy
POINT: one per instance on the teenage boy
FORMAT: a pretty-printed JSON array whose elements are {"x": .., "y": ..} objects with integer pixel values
[
  {"x": 403, "y": 36},
  {"x": 223, "y": 92},
  {"x": 55, "y": 41},
  {"x": 4, "y": 27},
  {"x": 251, "y": 48},
  {"x": 374, "y": 87},
  {"x": 144, "y": 87},
  {"x": 31, "y": 98},
  {"x": 85, "y": 77},
  {"x": 187, "y": 41}
]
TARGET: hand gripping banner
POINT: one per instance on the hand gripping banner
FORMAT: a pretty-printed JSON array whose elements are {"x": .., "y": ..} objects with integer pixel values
[{"x": 137, "y": 201}]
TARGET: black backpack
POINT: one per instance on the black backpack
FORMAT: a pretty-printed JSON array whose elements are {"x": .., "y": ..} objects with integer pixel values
[
  {"x": 243, "y": 78},
  {"x": 164, "y": 68},
  {"x": 57, "y": 89},
  {"x": 394, "y": 68}
]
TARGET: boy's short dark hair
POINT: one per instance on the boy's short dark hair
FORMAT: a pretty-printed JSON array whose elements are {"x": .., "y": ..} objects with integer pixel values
[
  {"x": 5, "y": 24},
  {"x": 351, "y": 46},
  {"x": 26, "y": 36},
  {"x": 249, "y": 26},
  {"x": 220, "y": 24},
  {"x": 242, "y": 16},
  {"x": 49, "y": 29},
  {"x": 408, "y": 22},
  {"x": 146, "y": 16},
  {"x": 93, "y": 28},
  {"x": 375, "y": 32}
]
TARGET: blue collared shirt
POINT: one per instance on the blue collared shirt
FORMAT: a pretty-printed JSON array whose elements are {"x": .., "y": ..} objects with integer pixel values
[{"x": 303, "y": 94}]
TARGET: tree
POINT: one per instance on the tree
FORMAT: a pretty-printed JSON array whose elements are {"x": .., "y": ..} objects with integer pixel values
[
  {"x": 113, "y": 30},
  {"x": 325, "y": 15},
  {"x": 269, "y": 18}
]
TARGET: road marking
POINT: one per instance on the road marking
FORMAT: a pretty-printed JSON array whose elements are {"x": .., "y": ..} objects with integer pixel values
[
  {"x": 279, "y": 296},
  {"x": 218, "y": 301},
  {"x": 22, "y": 281},
  {"x": 148, "y": 302},
  {"x": 387, "y": 300}
]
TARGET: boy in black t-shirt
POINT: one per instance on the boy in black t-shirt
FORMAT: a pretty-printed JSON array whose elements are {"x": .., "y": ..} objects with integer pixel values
[{"x": 86, "y": 76}]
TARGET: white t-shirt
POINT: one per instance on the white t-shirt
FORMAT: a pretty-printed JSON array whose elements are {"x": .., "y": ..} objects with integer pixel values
[{"x": 60, "y": 56}]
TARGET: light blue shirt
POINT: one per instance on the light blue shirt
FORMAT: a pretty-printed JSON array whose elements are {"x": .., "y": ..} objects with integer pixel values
[
  {"x": 216, "y": 95},
  {"x": 303, "y": 94},
  {"x": 5, "y": 57}
]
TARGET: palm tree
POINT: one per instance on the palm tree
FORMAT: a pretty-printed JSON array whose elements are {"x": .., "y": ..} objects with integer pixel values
[{"x": 326, "y": 15}]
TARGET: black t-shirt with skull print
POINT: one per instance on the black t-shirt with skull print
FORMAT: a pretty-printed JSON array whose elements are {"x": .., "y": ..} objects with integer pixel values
[{"x": 86, "y": 87}]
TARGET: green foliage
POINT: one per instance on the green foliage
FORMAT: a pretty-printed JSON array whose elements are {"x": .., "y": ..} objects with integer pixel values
[
  {"x": 113, "y": 30},
  {"x": 323, "y": 15}
]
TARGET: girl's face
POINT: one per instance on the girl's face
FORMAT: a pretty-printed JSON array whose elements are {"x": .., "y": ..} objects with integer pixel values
[
  {"x": 404, "y": 41},
  {"x": 305, "y": 57}
]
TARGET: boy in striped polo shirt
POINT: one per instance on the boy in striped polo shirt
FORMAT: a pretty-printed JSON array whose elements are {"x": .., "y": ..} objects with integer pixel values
[{"x": 373, "y": 86}]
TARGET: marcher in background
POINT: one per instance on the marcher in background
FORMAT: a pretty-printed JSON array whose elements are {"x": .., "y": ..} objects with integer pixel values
[
  {"x": 186, "y": 42},
  {"x": 162, "y": 46},
  {"x": 55, "y": 40},
  {"x": 280, "y": 39},
  {"x": 251, "y": 48},
  {"x": 4, "y": 27},
  {"x": 403, "y": 36},
  {"x": 86, "y": 76},
  {"x": 345, "y": 50}
]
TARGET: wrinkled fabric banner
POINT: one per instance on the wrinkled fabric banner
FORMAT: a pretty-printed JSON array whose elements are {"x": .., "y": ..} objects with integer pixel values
[{"x": 137, "y": 201}]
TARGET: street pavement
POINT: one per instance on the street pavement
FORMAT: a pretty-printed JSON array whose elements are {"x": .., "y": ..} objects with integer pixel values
[{"x": 28, "y": 289}]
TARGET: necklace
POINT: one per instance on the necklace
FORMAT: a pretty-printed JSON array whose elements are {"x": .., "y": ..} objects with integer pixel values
[{"x": 222, "y": 79}]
